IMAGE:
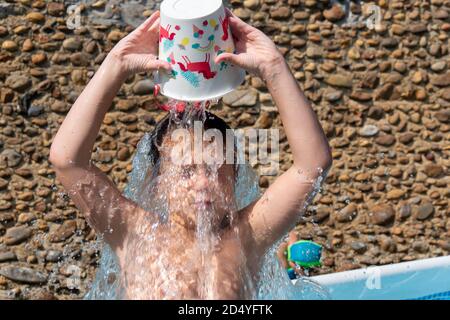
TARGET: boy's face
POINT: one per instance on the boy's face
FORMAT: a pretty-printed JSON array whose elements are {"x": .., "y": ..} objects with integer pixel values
[{"x": 197, "y": 193}]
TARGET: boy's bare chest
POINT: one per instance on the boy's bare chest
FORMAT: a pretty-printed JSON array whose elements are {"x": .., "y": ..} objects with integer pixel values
[{"x": 158, "y": 266}]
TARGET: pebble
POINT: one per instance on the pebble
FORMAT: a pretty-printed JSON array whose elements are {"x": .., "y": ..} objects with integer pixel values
[
  {"x": 361, "y": 96},
  {"x": 10, "y": 158},
  {"x": 72, "y": 44},
  {"x": 280, "y": 13},
  {"x": 241, "y": 98},
  {"x": 115, "y": 35},
  {"x": 18, "y": 82},
  {"x": 251, "y": 4},
  {"x": 439, "y": 66},
  {"x": 442, "y": 80},
  {"x": 405, "y": 211},
  {"x": 53, "y": 255},
  {"x": 60, "y": 106},
  {"x": 347, "y": 214},
  {"x": 26, "y": 216},
  {"x": 335, "y": 13},
  {"x": 35, "y": 17},
  {"x": 3, "y": 31},
  {"x": 17, "y": 235},
  {"x": 80, "y": 59},
  {"x": 242, "y": 13},
  {"x": 387, "y": 244},
  {"x": 418, "y": 28},
  {"x": 314, "y": 52},
  {"x": 443, "y": 116},
  {"x": 444, "y": 244},
  {"x": 332, "y": 95},
  {"x": 433, "y": 170},
  {"x": 123, "y": 154},
  {"x": 407, "y": 137},
  {"x": 24, "y": 274},
  {"x": 359, "y": 247},
  {"x": 3, "y": 183},
  {"x": 125, "y": 105},
  {"x": 389, "y": 42},
  {"x": 7, "y": 256},
  {"x": 321, "y": 214},
  {"x": 34, "y": 111},
  {"x": 64, "y": 231},
  {"x": 9, "y": 45},
  {"x": 395, "y": 194},
  {"x": 78, "y": 76},
  {"x": 56, "y": 9},
  {"x": 420, "y": 246},
  {"x": 10, "y": 294},
  {"x": 144, "y": 87},
  {"x": 27, "y": 45},
  {"x": 38, "y": 58},
  {"x": 368, "y": 131},
  {"x": 424, "y": 211},
  {"x": 385, "y": 92},
  {"x": 446, "y": 94},
  {"x": 375, "y": 113},
  {"x": 385, "y": 140},
  {"x": 382, "y": 214},
  {"x": 337, "y": 80}
]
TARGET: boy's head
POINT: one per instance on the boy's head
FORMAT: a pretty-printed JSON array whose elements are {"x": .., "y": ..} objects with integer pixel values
[{"x": 188, "y": 155}]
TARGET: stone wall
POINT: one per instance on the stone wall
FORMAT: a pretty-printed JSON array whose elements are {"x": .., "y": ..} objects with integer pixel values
[{"x": 382, "y": 94}]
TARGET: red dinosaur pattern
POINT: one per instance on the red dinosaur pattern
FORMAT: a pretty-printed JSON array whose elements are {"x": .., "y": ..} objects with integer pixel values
[
  {"x": 203, "y": 67},
  {"x": 225, "y": 25},
  {"x": 164, "y": 33}
]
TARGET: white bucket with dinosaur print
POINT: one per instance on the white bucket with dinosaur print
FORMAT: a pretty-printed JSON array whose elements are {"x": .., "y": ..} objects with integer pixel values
[{"x": 192, "y": 34}]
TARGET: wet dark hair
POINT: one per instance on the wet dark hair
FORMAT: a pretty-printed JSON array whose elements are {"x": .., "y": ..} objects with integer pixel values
[{"x": 209, "y": 120}]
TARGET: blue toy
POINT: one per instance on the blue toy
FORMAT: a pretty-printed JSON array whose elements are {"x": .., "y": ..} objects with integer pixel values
[{"x": 305, "y": 254}]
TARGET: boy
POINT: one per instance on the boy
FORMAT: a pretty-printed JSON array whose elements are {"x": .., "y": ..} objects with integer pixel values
[{"x": 172, "y": 265}]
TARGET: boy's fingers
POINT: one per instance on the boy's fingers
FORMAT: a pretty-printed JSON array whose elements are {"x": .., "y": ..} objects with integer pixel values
[
  {"x": 229, "y": 57},
  {"x": 159, "y": 64},
  {"x": 229, "y": 12},
  {"x": 149, "y": 22},
  {"x": 155, "y": 26},
  {"x": 237, "y": 24},
  {"x": 236, "y": 28}
]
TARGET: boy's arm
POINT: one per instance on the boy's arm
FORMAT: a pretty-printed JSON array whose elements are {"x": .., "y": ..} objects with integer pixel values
[
  {"x": 90, "y": 189},
  {"x": 280, "y": 207},
  {"x": 272, "y": 216}
]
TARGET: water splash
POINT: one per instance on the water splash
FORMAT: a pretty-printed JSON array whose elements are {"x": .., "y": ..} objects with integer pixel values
[{"x": 161, "y": 261}]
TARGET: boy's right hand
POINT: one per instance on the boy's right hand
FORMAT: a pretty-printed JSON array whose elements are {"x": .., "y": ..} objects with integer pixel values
[
  {"x": 256, "y": 52},
  {"x": 138, "y": 51}
]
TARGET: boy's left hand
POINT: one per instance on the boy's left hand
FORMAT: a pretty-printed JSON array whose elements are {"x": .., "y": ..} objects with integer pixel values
[
  {"x": 138, "y": 51},
  {"x": 255, "y": 52}
]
